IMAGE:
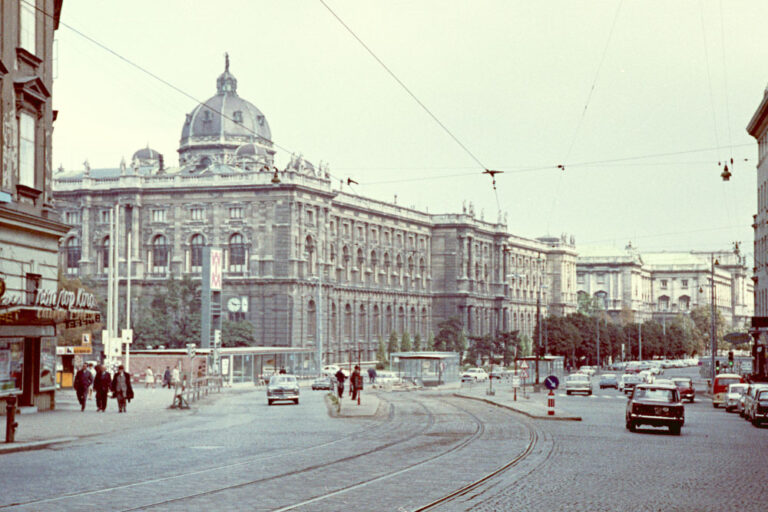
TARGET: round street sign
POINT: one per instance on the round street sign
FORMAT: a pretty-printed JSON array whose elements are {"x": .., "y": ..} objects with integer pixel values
[{"x": 551, "y": 382}]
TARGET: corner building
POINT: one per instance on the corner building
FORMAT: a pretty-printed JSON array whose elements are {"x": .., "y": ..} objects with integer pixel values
[{"x": 303, "y": 260}]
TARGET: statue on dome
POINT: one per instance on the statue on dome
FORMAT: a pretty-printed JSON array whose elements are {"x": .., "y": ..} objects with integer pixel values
[
  {"x": 87, "y": 167},
  {"x": 226, "y": 62}
]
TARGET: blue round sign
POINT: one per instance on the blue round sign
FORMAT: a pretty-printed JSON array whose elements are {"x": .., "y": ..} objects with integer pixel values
[{"x": 551, "y": 382}]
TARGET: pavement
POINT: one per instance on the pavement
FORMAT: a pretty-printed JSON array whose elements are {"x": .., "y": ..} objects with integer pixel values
[
  {"x": 531, "y": 404},
  {"x": 369, "y": 405}
]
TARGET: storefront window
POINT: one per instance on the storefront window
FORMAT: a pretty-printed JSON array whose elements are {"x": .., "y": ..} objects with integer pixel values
[
  {"x": 11, "y": 364},
  {"x": 47, "y": 363}
]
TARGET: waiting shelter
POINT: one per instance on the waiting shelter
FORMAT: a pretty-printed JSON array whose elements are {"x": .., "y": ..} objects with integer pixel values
[{"x": 428, "y": 368}]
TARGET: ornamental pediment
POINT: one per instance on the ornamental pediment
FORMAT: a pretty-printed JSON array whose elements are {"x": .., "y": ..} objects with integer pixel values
[{"x": 30, "y": 90}]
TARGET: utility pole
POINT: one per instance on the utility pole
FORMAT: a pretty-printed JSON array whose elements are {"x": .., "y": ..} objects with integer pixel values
[
  {"x": 597, "y": 326},
  {"x": 538, "y": 328},
  {"x": 319, "y": 316},
  {"x": 713, "y": 333},
  {"x": 640, "y": 341}
]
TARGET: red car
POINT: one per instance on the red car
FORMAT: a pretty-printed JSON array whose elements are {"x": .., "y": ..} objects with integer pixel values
[{"x": 685, "y": 388}]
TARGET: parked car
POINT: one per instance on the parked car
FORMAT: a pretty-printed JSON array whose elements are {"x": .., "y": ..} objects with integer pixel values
[
  {"x": 386, "y": 378},
  {"x": 283, "y": 387},
  {"x": 750, "y": 401},
  {"x": 657, "y": 406},
  {"x": 734, "y": 395},
  {"x": 628, "y": 382},
  {"x": 589, "y": 370},
  {"x": 609, "y": 380},
  {"x": 760, "y": 408},
  {"x": 720, "y": 387},
  {"x": 322, "y": 383},
  {"x": 578, "y": 383},
  {"x": 474, "y": 375},
  {"x": 685, "y": 387}
]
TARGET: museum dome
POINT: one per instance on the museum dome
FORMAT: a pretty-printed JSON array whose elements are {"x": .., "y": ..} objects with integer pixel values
[{"x": 214, "y": 130}]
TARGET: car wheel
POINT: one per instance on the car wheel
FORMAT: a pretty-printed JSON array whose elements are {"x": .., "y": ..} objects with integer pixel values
[
  {"x": 674, "y": 430},
  {"x": 296, "y": 401},
  {"x": 714, "y": 405},
  {"x": 270, "y": 401},
  {"x": 568, "y": 393},
  {"x": 631, "y": 426}
]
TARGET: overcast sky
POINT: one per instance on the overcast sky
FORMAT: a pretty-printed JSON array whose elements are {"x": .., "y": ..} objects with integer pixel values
[{"x": 596, "y": 86}]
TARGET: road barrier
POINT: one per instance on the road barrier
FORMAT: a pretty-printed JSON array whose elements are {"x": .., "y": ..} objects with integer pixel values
[
  {"x": 551, "y": 403},
  {"x": 186, "y": 392}
]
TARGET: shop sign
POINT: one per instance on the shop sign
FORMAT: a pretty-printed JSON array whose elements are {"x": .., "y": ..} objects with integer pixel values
[{"x": 55, "y": 299}]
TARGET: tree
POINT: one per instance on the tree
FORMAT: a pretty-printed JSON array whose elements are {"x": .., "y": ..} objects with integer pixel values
[
  {"x": 450, "y": 337},
  {"x": 405, "y": 342},
  {"x": 392, "y": 345},
  {"x": 171, "y": 316},
  {"x": 381, "y": 354},
  {"x": 431, "y": 342},
  {"x": 701, "y": 317},
  {"x": 480, "y": 350},
  {"x": 237, "y": 334},
  {"x": 417, "y": 343}
]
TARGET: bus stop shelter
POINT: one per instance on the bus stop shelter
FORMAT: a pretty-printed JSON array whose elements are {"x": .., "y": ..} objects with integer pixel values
[{"x": 428, "y": 368}]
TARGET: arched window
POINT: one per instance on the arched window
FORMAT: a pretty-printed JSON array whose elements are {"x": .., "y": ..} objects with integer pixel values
[
  {"x": 388, "y": 321},
  {"x": 424, "y": 325},
  {"x": 412, "y": 326},
  {"x": 400, "y": 321},
  {"x": 72, "y": 248},
  {"x": 236, "y": 253},
  {"x": 309, "y": 249},
  {"x": 347, "y": 322},
  {"x": 311, "y": 320},
  {"x": 196, "y": 244},
  {"x": 159, "y": 254},
  {"x": 334, "y": 322},
  {"x": 104, "y": 254},
  {"x": 361, "y": 324},
  {"x": 376, "y": 327},
  {"x": 685, "y": 302},
  {"x": 374, "y": 264}
]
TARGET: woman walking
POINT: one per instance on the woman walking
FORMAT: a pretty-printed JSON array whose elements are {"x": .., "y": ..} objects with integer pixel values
[{"x": 149, "y": 378}]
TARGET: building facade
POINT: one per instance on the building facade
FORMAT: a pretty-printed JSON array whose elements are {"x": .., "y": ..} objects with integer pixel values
[
  {"x": 30, "y": 306},
  {"x": 661, "y": 285},
  {"x": 304, "y": 262},
  {"x": 758, "y": 128}
]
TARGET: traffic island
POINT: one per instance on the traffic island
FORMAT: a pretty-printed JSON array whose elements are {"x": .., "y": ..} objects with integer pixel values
[
  {"x": 347, "y": 408},
  {"x": 529, "y": 407}
]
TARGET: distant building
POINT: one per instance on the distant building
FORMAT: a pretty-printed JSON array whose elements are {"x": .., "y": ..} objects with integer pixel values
[
  {"x": 284, "y": 233},
  {"x": 661, "y": 285}
]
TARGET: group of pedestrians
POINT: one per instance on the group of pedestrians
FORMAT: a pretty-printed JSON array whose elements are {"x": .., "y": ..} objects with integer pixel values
[
  {"x": 98, "y": 379},
  {"x": 355, "y": 383},
  {"x": 170, "y": 377}
]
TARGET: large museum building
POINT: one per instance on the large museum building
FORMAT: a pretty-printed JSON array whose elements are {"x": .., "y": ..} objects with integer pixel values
[{"x": 302, "y": 259}]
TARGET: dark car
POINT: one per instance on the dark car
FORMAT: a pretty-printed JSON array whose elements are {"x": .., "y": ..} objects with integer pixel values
[
  {"x": 760, "y": 408},
  {"x": 685, "y": 387},
  {"x": 609, "y": 380},
  {"x": 657, "y": 406},
  {"x": 322, "y": 383}
]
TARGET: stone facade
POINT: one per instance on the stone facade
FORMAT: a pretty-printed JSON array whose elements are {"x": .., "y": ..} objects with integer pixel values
[
  {"x": 661, "y": 285},
  {"x": 303, "y": 259},
  {"x": 758, "y": 128}
]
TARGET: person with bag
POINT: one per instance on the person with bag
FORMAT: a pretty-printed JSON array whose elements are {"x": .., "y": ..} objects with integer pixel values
[
  {"x": 356, "y": 382},
  {"x": 121, "y": 388},
  {"x": 82, "y": 384},
  {"x": 340, "y": 377},
  {"x": 101, "y": 386}
]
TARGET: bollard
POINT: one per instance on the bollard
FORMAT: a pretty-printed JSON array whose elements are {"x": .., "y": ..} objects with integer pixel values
[
  {"x": 515, "y": 394},
  {"x": 10, "y": 419},
  {"x": 551, "y": 403}
]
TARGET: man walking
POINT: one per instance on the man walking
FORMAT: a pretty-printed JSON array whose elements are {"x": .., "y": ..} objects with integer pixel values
[
  {"x": 167, "y": 377},
  {"x": 372, "y": 375},
  {"x": 340, "y": 378},
  {"x": 121, "y": 387},
  {"x": 83, "y": 381},
  {"x": 101, "y": 385},
  {"x": 356, "y": 382}
]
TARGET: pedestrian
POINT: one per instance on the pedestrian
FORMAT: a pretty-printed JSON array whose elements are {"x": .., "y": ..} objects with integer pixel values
[
  {"x": 372, "y": 375},
  {"x": 82, "y": 384},
  {"x": 121, "y": 388},
  {"x": 356, "y": 382},
  {"x": 340, "y": 378},
  {"x": 102, "y": 385},
  {"x": 167, "y": 377},
  {"x": 93, "y": 376},
  {"x": 175, "y": 377},
  {"x": 149, "y": 378}
]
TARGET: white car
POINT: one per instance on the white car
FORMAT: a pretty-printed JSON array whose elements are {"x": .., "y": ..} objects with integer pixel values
[
  {"x": 578, "y": 383},
  {"x": 386, "y": 378},
  {"x": 474, "y": 374},
  {"x": 589, "y": 370}
]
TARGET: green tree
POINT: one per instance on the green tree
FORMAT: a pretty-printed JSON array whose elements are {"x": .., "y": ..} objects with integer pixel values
[
  {"x": 381, "y": 354},
  {"x": 405, "y": 342},
  {"x": 238, "y": 334},
  {"x": 417, "y": 343},
  {"x": 171, "y": 316},
  {"x": 431, "y": 342},
  {"x": 392, "y": 345}
]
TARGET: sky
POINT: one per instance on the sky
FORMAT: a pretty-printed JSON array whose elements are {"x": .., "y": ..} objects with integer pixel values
[{"x": 639, "y": 101}]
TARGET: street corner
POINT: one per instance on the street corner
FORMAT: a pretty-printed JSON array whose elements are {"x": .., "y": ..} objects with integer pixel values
[{"x": 526, "y": 406}]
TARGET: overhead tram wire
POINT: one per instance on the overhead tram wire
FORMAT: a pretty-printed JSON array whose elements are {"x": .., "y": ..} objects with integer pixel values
[
  {"x": 485, "y": 170},
  {"x": 152, "y": 75}
]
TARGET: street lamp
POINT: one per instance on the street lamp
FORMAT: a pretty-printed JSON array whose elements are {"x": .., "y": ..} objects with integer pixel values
[{"x": 538, "y": 320}]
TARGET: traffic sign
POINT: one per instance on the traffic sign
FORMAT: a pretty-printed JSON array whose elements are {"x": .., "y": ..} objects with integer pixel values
[
  {"x": 524, "y": 365},
  {"x": 551, "y": 382},
  {"x": 524, "y": 374}
]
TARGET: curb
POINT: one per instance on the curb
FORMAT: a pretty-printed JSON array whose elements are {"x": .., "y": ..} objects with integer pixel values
[
  {"x": 534, "y": 416},
  {"x": 34, "y": 445}
]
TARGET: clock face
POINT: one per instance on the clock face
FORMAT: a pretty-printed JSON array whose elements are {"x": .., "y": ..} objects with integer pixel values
[{"x": 233, "y": 304}]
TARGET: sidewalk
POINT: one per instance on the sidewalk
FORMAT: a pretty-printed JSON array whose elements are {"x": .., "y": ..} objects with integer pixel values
[
  {"x": 533, "y": 405},
  {"x": 369, "y": 406},
  {"x": 67, "y": 422}
]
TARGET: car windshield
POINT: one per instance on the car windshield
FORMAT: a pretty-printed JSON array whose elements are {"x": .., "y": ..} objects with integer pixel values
[
  {"x": 658, "y": 395},
  {"x": 737, "y": 388},
  {"x": 682, "y": 383},
  {"x": 727, "y": 381},
  {"x": 577, "y": 377},
  {"x": 762, "y": 395},
  {"x": 282, "y": 379}
]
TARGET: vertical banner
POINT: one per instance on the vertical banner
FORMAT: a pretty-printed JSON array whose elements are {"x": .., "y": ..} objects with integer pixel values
[{"x": 216, "y": 264}]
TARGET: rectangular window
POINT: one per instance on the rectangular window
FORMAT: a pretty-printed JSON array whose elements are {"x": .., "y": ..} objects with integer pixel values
[
  {"x": 236, "y": 212},
  {"x": 27, "y": 27},
  {"x": 345, "y": 230},
  {"x": 33, "y": 283},
  {"x": 685, "y": 283},
  {"x": 663, "y": 284},
  {"x": 72, "y": 218},
  {"x": 600, "y": 278},
  {"x": 26, "y": 150},
  {"x": 106, "y": 215},
  {"x": 580, "y": 278},
  {"x": 159, "y": 215},
  {"x": 196, "y": 213}
]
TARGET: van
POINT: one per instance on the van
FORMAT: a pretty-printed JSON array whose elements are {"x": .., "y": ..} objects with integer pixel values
[{"x": 720, "y": 387}]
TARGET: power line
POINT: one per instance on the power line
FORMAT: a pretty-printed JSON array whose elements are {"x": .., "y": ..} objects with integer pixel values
[{"x": 405, "y": 87}]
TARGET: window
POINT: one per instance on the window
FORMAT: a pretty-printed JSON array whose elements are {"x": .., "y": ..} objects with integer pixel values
[
  {"x": 27, "y": 27},
  {"x": 72, "y": 249},
  {"x": 158, "y": 215},
  {"x": 684, "y": 283},
  {"x": 601, "y": 278},
  {"x": 72, "y": 218},
  {"x": 33, "y": 283},
  {"x": 236, "y": 212},
  {"x": 196, "y": 251},
  {"x": 664, "y": 284},
  {"x": 359, "y": 232},
  {"x": 345, "y": 230},
  {"x": 105, "y": 216},
  {"x": 159, "y": 254},
  {"x": 580, "y": 278},
  {"x": 236, "y": 253},
  {"x": 196, "y": 213},
  {"x": 238, "y": 116},
  {"x": 26, "y": 149},
  {"x": 105, "y": 254}
]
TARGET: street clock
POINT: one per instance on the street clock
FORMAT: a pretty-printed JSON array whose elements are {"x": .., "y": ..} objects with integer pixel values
[{"x": 234, "y": 304}]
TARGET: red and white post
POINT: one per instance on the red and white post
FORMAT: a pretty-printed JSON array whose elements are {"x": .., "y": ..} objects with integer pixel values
[{"x": 551, "y": 403}]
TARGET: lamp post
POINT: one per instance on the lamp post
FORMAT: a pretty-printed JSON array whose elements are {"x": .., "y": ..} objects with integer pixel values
[
  {"x": 713, "y": 333},
  {"x": 538, "y": 320}
]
